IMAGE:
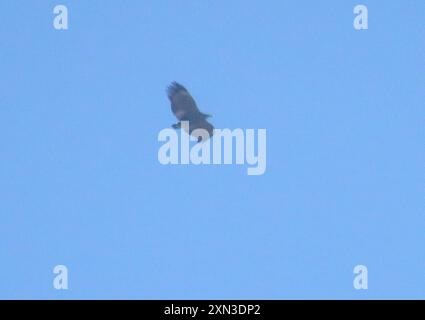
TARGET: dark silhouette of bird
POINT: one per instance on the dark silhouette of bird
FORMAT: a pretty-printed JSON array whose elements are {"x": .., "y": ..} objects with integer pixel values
[{"x": 185, "y": 109}]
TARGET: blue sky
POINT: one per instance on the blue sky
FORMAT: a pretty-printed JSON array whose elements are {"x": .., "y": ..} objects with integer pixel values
[{"x": 80, "y": 183}]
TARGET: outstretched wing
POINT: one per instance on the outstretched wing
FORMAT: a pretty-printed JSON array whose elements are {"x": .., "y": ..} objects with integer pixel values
[{"x": 182, "y": 104}]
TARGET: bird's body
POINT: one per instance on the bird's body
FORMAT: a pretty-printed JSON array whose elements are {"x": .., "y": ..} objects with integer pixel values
[{"x": 185, "y": 109}]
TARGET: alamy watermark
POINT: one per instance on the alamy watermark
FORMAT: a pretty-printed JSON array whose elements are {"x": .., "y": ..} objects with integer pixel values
[
  {"x": 217, "y": 150},
  {"x": 60, "y": 20},
  {"x": 60, "y": 281},
  {"x": 361, "y": 20},
  {"x": 360, "y": 281}
]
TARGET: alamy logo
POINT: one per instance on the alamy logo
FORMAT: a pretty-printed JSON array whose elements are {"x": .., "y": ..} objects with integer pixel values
[
  {"x": 360, "y": 280},
  {"x": 361, "y": 19},
  {"x": 60, "y": 21},
  {"x": 60, "y": 282},
  {"x": 216, "y": 150}
]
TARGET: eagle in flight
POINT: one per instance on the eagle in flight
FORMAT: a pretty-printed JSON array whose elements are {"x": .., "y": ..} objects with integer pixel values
[{"x": 185, "y": 109}]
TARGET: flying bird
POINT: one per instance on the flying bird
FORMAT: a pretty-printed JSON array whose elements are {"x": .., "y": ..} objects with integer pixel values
[{"x": 185, "y": 109}]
